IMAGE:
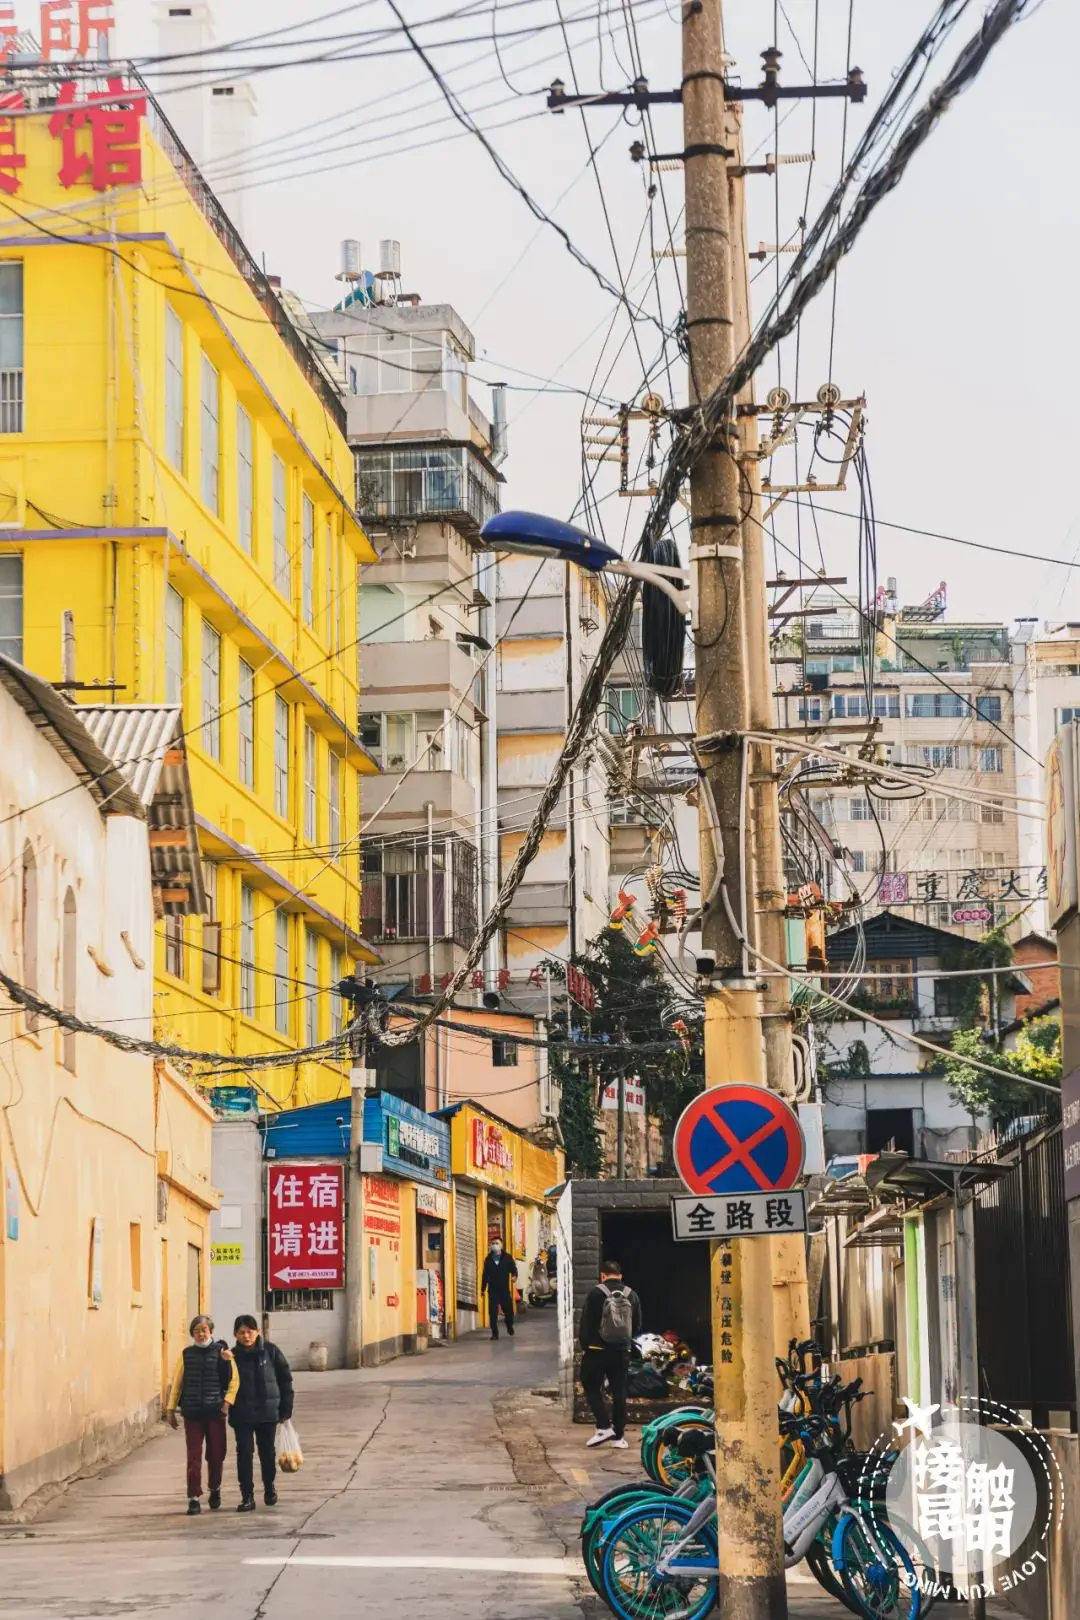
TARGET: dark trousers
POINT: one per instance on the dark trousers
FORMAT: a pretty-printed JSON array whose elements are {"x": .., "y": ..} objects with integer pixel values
[
  {"x": 248, "y": 1436},
  {"x": 208, "y": 1432},
  {"x": 505, "y": 1303},
  {"x": 612, "y": 1364}
]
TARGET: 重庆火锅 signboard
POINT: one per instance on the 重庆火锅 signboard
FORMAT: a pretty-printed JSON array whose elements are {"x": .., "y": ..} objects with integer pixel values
[{"x": 305, "y": 1226}]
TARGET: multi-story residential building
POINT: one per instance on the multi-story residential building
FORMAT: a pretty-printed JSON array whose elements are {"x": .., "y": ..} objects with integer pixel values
[
  {"x": 178, "y": 479},
  {"x": 426, "y": 480},
  {"x": 942, "y": 698},
  {"x": 1045, "y": 676},
  {"x": 549, "y": 619}
]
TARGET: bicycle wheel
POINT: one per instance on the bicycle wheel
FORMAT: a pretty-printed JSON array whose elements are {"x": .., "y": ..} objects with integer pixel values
[
  {"x": 819, "y": 1563},
  {"x": 670, "y": 1467},
  {"x": 601, "y": 1517},
  {"x": 925, "y": 1568},
  {"x": 631, "y": 1587},
  {"x": 876, "y": 1570}
]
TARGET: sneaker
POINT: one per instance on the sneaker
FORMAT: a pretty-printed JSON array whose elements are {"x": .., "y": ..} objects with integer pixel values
[
  {"x": 510, "y": 1331},
  {"x": 619, "y": 1443},
  {"x": 599, "y": 1438},
  {"x": 494, "y": 1335},
  {"x": 247, "y": 1505},
  {"x": 215, "y": 1501},
  {"x": 193, "y": 1507},
  {"x": 270, "y": 1496}
]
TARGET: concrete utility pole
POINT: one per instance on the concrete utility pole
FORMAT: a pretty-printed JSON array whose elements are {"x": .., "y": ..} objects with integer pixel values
[{"x": 751, "y": 1577}]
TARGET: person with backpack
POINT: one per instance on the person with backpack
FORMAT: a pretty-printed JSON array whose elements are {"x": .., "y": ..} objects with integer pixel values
[{"x": 610, "y": 1321}]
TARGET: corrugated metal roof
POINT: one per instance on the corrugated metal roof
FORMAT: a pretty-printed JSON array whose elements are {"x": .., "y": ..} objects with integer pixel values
[
  {"x": 69, "y": 734},
  {"x": 320, "y": 1131},
  {"x": 136, "y": 736},
  {"x": 146, "y": 740}
]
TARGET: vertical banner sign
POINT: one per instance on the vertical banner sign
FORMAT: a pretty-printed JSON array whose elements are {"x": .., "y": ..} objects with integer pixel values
[
  {"x": 729, "y": 1398},
  {"x": 305, "y": 1226}
]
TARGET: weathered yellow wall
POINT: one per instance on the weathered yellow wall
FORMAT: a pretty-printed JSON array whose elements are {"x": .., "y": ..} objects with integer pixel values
[
  {"x": 184, "y": 1126},
  {"x": 105, "y": 523}
]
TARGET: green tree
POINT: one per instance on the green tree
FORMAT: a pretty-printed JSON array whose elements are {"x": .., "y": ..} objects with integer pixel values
[
  {"x": 1037, "y": 1056},
  {"x": 632, "y": 1001},
  {"x": 577, "y": 1115}
]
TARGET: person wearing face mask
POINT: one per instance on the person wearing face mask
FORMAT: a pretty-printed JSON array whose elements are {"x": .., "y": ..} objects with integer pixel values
[
  {"x": 497, "y": 1280},
  {"x": 204, "y": 1386}
]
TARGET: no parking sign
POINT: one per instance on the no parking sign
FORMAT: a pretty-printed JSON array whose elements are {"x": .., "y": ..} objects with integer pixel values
[{"x": 739, "y": 1139}]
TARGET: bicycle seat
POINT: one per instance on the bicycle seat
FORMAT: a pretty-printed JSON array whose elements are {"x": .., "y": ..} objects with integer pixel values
[{"x": 695, "y": 1443}]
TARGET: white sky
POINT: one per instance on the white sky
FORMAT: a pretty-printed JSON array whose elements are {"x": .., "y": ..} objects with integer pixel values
[{"x": 955, "y": 312}]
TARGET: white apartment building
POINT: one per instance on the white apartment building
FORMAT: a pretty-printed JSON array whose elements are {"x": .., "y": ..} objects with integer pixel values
[
  {"x": 1046, "y": 695},
  {"x": 942, "y": 696}
]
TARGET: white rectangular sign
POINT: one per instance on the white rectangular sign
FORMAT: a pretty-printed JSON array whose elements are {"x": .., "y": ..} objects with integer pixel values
[
  {"x": 738, "y": 1215},
  {"x": 635, "y": 1096}
]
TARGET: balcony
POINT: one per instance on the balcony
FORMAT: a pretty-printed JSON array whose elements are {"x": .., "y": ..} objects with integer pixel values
[
  {"x": 451, "y": 797},
  {"x": 445, "y": 484},
  {"x": 532, "y": 713},
  {"x": 415, "y": 675},
  {"x": 537, "y": 617}
]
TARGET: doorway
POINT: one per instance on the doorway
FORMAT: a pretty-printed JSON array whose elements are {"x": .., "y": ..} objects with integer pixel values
[
  {"x": 890, "y": 1129},
  {"x": 430, "y": 1257}
]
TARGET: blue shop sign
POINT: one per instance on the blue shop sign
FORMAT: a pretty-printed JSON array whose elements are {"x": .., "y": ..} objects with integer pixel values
[{"x": 413, "y": 1143}]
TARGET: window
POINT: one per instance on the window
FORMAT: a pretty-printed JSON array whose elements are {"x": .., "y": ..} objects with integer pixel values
[
  {"x": 311, "y": 791},
  {"x": 504, "y": 1054},
  {"x": 895, "y": 983},
  {"x": 412, "y": 483},
  {"x": 587, "y": 871},
  {"x": 11, "y": 607},
  {"x": 211, "y": 690},
  {"x": 281, "y": 755},
  {"x": 29, "y": 922},
  {"x": 69, "y": 975},
  {"x": 627, "y": 705},
  {"x": 331, "y": 637},
  {"x": 11, "y": 348},
  {"x": 990, "y": 759},
  {"x": 354, "y": 387},
  {"x": 245, "y": 722},
  {"x": 247, "y": 950},
  {"x": 282, "y": 570},
  {"x": 887, "y": 705},
  {"x": 174, "y": 946},
  {"x": 811, "y": 709},
  {"x": 174, "y": 388},
  {"x": 337, "y": 1003},
  {"x": 311, "y": 989},
  {"x": 307, "y": 562},
  {"x": 430, "y": 740},
  {"x": 940, "y": 756},
  {"x": 935, "y": 706},
  {"x": 174, "y": 645},
  {"x": 210, "y": 436},
  {"x": 334, "y": 829},
  {"x": 989, "y": 708},
  {"x": 850, "y": 704},
  {"x": 135, "y": 1259},
  {"x": 396, "y": 363},
  {"x": 211, "y": 932},
  {"x": 245, "y": 480},
  {"x": 281, "y": 972},
  {"x": 950, "y": 998},
  {"x": 1062, "y": 717},
  {"x": 994, "y": 813}
]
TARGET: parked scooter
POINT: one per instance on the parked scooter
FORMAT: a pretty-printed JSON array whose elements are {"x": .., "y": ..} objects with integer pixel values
[{"x": 541, "y": 1283}]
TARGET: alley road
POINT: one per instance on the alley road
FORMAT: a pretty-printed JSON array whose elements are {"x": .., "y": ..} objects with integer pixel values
[{"x": 441, "y": 1484}]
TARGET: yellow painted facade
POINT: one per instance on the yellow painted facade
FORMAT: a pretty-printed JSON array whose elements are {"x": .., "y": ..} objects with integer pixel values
[{"x": 175, "y": 473}]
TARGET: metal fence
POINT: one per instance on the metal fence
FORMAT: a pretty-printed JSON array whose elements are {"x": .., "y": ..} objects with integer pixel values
[{"x": 1025, "y": 1332}]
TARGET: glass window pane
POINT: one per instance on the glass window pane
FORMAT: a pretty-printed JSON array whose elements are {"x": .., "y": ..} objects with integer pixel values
[
  {"x": 11, "y": 606},
  {"x": 11, "y": 289}
]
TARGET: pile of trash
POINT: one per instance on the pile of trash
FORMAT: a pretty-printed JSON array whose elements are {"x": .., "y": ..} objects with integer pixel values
[{"x": 661, "y": 1364}]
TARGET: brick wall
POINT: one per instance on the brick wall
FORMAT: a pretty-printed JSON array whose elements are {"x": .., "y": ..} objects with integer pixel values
[{"x": 1045, "y": 981}]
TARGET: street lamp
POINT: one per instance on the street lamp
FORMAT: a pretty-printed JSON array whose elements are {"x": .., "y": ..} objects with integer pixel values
[{"x": 531, "y": 534}]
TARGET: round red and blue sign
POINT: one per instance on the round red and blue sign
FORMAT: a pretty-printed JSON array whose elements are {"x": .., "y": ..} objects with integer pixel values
[{"x": 739, "y": 1139}]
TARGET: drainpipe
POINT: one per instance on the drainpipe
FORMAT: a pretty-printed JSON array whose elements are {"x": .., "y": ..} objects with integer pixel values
[{"x": 430, "y": 894}]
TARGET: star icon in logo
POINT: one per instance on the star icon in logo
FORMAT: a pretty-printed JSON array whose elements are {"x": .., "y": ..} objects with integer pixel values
[{"x": 919, "y": 1419}]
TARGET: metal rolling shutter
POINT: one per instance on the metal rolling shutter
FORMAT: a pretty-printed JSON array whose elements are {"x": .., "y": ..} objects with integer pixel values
[{"x": 465, "y": 1250}]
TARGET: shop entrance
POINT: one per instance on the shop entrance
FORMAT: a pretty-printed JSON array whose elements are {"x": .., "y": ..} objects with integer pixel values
[
  {"x": 671, "y": 1279},
  {"x": 496, "y": 1221},
  {"x": 431, "y": 1258}
]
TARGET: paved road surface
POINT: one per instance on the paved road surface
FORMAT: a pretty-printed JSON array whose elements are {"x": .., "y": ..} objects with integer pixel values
[{"x": 438, "y": 1484}]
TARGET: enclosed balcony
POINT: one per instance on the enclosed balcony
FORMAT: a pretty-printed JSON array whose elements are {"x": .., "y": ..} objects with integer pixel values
[{"x": 450, "y": 484}]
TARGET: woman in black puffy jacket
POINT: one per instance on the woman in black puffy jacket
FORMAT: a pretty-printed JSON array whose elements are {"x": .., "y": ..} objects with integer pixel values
[{"x": 264, "y": 1400}]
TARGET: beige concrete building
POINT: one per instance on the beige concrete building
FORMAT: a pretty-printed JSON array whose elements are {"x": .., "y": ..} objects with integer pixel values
[
  {"x": 104, "y": 1155},
  {"x": 943, "y": 701}
]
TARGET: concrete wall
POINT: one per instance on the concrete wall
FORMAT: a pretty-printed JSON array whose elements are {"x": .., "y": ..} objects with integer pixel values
[
  {"x": 80, "y": 1278},
  {"x": 237, "y": 1168}
]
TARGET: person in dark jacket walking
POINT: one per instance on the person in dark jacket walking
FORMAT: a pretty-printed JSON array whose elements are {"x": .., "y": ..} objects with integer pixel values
[
  {"x": 264, "y": 1400},
  {"x": 204, "y": 1386},
  {"x": 497, "y": 1281},
  {"x": 610, "y": 1321}
]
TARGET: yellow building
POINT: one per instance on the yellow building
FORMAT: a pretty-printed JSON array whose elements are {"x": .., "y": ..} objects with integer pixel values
[{"x": 174, "y": 473}]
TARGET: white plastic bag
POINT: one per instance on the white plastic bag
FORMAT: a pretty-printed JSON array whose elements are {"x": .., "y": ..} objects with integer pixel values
[{"x": 289, "y": 1455}]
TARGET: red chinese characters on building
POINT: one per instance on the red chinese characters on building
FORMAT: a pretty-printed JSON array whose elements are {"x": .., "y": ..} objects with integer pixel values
[
  {"x": 100, "y": 135},
  {"x": 305, "y": 1226},
  {"x": 11, "y": 159},
  {"x": 490, "y": 1147},
  {"x": 73, "y": 29},
  {"x": 581, "y": 988}
]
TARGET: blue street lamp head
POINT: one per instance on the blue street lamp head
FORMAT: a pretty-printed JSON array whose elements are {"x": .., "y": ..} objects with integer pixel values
[{"x": 534, "y": 535}]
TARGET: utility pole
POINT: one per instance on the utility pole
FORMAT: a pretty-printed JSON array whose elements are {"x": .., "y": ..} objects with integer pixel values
[{"x": 751, "y": 1574}]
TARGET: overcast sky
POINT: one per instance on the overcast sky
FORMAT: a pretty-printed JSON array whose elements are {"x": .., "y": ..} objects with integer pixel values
[{"x": 955, "y": 313}]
